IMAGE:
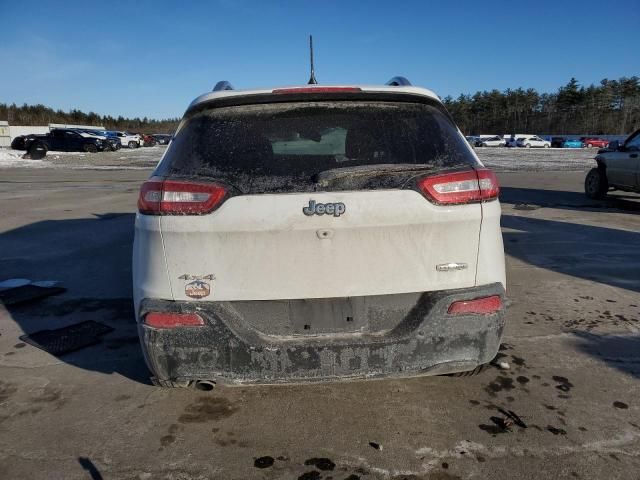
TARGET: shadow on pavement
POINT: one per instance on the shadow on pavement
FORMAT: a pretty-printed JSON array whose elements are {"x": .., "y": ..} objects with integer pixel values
[
  {"x": 621, "y": 352},
  {"x": 605, "y": 255},
  {"x": 627, "y": 202},
  {"x": 91, "y": 258}
]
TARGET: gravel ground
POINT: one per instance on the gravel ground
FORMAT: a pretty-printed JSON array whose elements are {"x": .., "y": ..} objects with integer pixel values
[{"x": 499, "y": 159}]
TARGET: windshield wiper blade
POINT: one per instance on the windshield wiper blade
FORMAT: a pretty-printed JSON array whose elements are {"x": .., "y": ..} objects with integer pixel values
[{"x": 368, "y": 170}]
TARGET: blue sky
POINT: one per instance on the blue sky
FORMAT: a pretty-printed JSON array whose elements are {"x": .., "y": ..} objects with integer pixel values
[{"x": 152, "y": 58}]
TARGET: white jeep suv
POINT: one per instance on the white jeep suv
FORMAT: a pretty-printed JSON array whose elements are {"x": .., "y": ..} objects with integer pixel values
[
  {"x": 315, "y": 233},
  {"x": 130, "y": 140}
]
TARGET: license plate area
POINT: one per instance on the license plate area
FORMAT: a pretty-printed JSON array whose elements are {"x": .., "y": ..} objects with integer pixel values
[{"x": 327, "y": 315}]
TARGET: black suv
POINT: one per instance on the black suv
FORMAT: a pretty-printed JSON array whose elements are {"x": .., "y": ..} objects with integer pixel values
[{"x": 64, "y": 140}]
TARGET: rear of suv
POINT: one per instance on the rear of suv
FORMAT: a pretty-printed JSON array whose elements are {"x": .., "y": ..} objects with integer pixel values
[{"x": 317, "y": 233}]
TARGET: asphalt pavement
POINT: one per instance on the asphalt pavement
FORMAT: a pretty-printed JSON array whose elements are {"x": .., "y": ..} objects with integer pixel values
[{"x": 567, "y": 407}]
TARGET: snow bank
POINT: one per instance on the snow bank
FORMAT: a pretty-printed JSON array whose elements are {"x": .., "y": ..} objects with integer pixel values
[{"x": 13, "y": 158}]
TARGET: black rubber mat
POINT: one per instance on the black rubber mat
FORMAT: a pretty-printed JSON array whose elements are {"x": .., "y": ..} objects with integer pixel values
[
  {"x": 67, "y": 339},
  {"x": 27, "y": 293}
]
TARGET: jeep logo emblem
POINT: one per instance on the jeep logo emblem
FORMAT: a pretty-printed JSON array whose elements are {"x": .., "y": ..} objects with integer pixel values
[{"x": 335, "y": 209}]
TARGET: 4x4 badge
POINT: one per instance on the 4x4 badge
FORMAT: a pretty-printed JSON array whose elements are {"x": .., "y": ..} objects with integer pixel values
[
  {"x": 197, "y": 288},
  {"x": 335, "y": 209}
]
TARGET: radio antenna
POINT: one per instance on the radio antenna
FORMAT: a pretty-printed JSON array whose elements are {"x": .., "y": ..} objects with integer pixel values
[{"x": 312, "y": 80}]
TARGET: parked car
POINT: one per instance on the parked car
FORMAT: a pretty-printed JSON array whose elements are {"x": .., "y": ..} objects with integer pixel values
[
  {"x": 289, "y": 235},
  {"x": 130, "y": 140},
  {"x": 572, "y": 143},
  {"x": 557, "y": 142},
  {"x": 533, "y": 142},
  {"x": 113, "y": 142},
  {"x": 496, "y": 141},
  {"x": 64, "y": 140},
  {"x": 162, "y": 139},
  {"x": 148, "y": 141},
  {"x": 591, "y": 142},
  {"x": 473, "y": 140},
  {"x": 618, "y": 168},
  {"x": 512, "y": 142}
]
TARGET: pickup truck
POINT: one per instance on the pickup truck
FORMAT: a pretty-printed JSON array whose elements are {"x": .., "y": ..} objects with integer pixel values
[
  {"x": 63, "y": 140},
  {"x": 618, "y": 168}
]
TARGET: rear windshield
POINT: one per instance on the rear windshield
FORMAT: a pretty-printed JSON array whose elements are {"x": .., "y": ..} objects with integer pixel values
[{"x": 315, "y": 146}]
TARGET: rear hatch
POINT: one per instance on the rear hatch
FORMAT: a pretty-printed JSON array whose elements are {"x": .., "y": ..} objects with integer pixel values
[{"x": 318, "y": 198}]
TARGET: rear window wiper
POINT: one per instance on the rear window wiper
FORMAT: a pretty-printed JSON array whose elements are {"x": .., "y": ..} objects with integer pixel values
[{"x": 326, "y": 176}]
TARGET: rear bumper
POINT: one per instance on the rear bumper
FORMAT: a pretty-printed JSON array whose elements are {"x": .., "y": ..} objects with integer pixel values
[{"x": 426, "y": 341}]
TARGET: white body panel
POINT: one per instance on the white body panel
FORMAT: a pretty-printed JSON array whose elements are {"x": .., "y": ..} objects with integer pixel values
[
  {"x": 491, "y": 266},
  {"x": 253, "y": 259},
  {"x": 262, "y": 247}
]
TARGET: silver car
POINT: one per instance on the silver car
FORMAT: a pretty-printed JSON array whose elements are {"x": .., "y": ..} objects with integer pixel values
[{"x": 618, "y": 168}]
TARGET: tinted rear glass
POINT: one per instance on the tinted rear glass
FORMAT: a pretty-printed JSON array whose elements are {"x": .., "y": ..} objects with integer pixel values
[{"x": 314, "y": 146}]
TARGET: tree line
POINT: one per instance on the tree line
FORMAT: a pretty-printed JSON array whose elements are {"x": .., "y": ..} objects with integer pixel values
[
  {"x": 42, "y": 115},
  {"x": 612, "y": 107}
]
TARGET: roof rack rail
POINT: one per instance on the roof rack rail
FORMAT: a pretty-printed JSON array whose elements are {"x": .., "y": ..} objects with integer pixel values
[
  {"x": 222, "y": 85},
  {"x": 398, "y": 82}
]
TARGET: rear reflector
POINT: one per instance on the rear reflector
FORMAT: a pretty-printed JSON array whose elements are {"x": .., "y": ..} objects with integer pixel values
[
  {"x": 158, "y": 197},
  {"x": 471, "y": 186},
  {"x": 317, "y": 90},
  {"x": 172, "y": 320},
  {"x": 483, "y": 305}
]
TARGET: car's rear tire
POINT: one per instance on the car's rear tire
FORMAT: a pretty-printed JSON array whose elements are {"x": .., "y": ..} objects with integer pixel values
[
  {"x": 90, "y": 148},
  {"x": 37, "y": 151},
  {"x": 133, "y": 144},
  {"x": 528, "y": 145},
  {"x": 546, "y": 145},
  {"x": 596, "y": 184}
]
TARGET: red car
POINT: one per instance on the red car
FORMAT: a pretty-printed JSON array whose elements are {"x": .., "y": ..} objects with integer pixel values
[{"x": 595, "y": 142}]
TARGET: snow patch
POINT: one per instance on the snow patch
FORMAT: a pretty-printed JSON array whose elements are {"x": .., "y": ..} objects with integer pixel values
[{"x": 13, "y": 158}]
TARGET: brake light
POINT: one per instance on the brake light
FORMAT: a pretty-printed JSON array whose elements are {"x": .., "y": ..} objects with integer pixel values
[
  {"x": 471, "y": 186},
  {"x": 172, "y": 320},
  {"x": 488, "y": 182},
  {"x": 484, "y": 305},
  {"x": 317, "y": 90},
  {"x": 168, "y": 197}
]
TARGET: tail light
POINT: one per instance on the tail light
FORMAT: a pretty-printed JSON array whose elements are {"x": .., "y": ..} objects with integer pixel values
[
  {"x": 317, "y": 90},
  {"x": 168, "y": 197},
  {"x": 484, "y": 305},
  {"x": 471, "y": 186},
  {"x": 172, "y": 320}
]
